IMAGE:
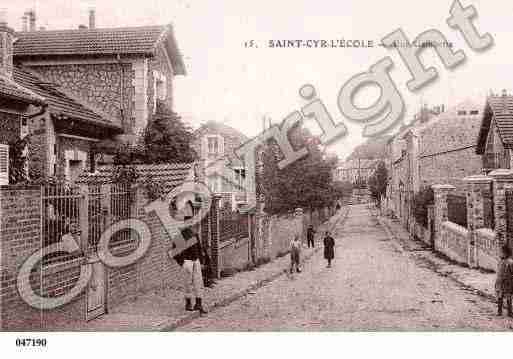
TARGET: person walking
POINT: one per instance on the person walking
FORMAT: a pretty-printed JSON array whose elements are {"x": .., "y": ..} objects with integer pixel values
[
  {"x": 310, "y": 233},
  {"x": 190, "y": 261},
  {"x": 295, "y": 253},
  {"x": 329, "y": 248},
  {"x": 504, "y": 280}
]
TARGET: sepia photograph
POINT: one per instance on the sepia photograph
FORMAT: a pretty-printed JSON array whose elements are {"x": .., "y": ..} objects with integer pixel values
[{"x": 184, "y": 166}]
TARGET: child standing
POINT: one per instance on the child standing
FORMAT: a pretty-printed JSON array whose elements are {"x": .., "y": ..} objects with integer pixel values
[
  {"x": 504, "y": 281},
  {"x": 295, "y": 252}
]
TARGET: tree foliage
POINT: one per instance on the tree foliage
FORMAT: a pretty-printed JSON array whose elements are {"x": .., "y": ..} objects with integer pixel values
[
  {"x": 167, "y": 139},
  {"x": 306, "y": 183},
  {"x": 378, "y": 182}
]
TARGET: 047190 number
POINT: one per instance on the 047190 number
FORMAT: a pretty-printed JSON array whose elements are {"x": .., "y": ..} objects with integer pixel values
[{"x": 31, "y": 342}]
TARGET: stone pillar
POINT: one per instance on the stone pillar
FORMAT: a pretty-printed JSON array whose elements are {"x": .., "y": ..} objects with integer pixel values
[
  {"x": 475, "y": 212},
  {"x": 214, "y": 233},
  {"x": 440, "y": 208},
  {"x": 502, "y": 179}
]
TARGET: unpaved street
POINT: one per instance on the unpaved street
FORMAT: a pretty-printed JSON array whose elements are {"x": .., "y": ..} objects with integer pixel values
[{"x": 371, "y": 286}]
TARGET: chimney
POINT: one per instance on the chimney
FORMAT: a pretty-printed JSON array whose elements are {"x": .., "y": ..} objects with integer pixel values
[
  {"x": 6, "y": 39},
  {"x": 32, "y": 20},
  {"x": 92, "y": 18},
  {"x": 24, "y": 23}
]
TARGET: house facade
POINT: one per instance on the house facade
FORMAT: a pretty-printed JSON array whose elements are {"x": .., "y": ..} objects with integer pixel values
[
  {"x": 18, "y": 105},
  {"x": 495, "y": 140},
  {"x": 355, "y": 170},
  {"x": 215, "y": 143},
  {"x": 439, "y": 149},
  {"x": 100, "y": 86}
]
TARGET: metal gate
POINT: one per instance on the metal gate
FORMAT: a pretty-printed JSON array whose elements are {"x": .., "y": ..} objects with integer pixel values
[
  {"x": 509, "y": 216},
  {"x": 85, "y": 212}
]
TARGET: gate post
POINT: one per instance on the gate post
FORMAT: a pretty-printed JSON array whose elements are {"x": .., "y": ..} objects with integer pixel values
[
  {"x": 475, "y": 213},
  {"x": 84, "y": 219},
  {"x": 440, "y": 210},
  {"x": 214, "y": 233},
  {"x": 502, "y": 180}
]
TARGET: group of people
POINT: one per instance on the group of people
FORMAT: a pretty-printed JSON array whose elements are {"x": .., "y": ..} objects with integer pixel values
[
  {"x": 295, "y": 248},
  {"x": 195, "y": 261}
]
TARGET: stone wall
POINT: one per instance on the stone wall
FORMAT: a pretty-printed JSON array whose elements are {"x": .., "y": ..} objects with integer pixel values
[
  {"x": 454, "y": 242},
  {"x": 108, "y": 87},
  {"x": 487, "y": 249},
  {"x": 450, "y": 168}
]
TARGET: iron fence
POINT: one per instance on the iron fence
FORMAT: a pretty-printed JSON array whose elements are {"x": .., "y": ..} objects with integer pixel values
[{"x": 60, "y": 216}]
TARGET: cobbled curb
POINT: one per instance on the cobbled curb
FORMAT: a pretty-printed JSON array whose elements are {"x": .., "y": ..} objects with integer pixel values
[
  {"x": 188, "y": 318},
  {"x": 397, "y": 244}
]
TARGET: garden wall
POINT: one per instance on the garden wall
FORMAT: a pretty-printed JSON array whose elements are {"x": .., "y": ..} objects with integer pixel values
[
  {"x": 453, "y": 242},
  {"x": 487, "y": 249}
]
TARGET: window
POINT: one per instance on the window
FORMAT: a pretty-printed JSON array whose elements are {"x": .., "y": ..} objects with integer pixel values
[
  {"x": 159, "y": 88},
  {"x": 213, "y": 145},
  {"x": 240, "y": 178},
  {"x": 474, "y": 112},
  {"x": 462, "y": 113}
]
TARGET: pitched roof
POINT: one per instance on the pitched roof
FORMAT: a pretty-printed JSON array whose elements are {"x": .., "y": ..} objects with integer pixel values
[
  {"x": 58, "y": 102},
  {"x": 218, "y": 127},
  {"x": 168, "y": 175},
  {"x": 500, "y": 109},
  {"x": 10, "y": 89},
  {"x": 141, "y": 40}
]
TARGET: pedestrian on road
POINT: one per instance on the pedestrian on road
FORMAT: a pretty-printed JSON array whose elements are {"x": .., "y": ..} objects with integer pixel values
[
  {"x": 190, "y": 260},
  {"x": 329, "y": 248},
  {"x": 310, "y": 233},
  {"x": 295, "y": 253},
  {"x": 504, "y": 281}
]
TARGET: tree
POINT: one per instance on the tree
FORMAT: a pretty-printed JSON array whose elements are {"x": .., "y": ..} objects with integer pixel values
[
  {"x": 167, "y": 139},
  {"x": 306, "y": 183},
  {"x": 378, "y": 182}
]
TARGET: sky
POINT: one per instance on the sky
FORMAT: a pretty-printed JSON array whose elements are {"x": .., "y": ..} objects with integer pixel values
[{"x": 231, "y": 83}]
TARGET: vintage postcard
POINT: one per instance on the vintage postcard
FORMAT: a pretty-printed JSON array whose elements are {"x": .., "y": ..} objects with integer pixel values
[{"x": 234, "y": 166}]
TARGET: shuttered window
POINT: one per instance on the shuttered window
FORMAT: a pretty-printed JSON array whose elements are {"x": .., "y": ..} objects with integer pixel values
[{"x": 4, "y": 165}]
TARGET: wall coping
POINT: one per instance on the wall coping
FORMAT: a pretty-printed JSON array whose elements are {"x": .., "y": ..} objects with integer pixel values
[
  {"x": 486, "y": 232},
  {"x": 478, "y": 179},
  {"x": 502, "y": 174},
  {"x": 443, "y": 187},
  {"x": 454, "y": 227}
]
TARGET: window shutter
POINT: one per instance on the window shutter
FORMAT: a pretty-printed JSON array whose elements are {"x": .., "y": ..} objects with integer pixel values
[
  {"x": 220, "y": 145},
  {"x": 4, "y": 165}
]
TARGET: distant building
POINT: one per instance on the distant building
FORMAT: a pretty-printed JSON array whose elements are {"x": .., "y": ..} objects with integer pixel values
[{"x": 215, "y": 143}]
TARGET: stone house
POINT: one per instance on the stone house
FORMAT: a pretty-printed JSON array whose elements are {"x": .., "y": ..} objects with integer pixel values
[
  {"x": 495, "y": 140},
  {"x": 447, "y": 145},
  {"x": 215, "y": 144},
  {"x": 402, "y": 153},
  {"x": 101, "y": 85},
  {"x": 18, "y": 105},
  {"x": 439, "y": 149}
]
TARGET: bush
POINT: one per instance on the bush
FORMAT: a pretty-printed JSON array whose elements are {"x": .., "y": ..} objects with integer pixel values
[{"x": 421, "y": 200}]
